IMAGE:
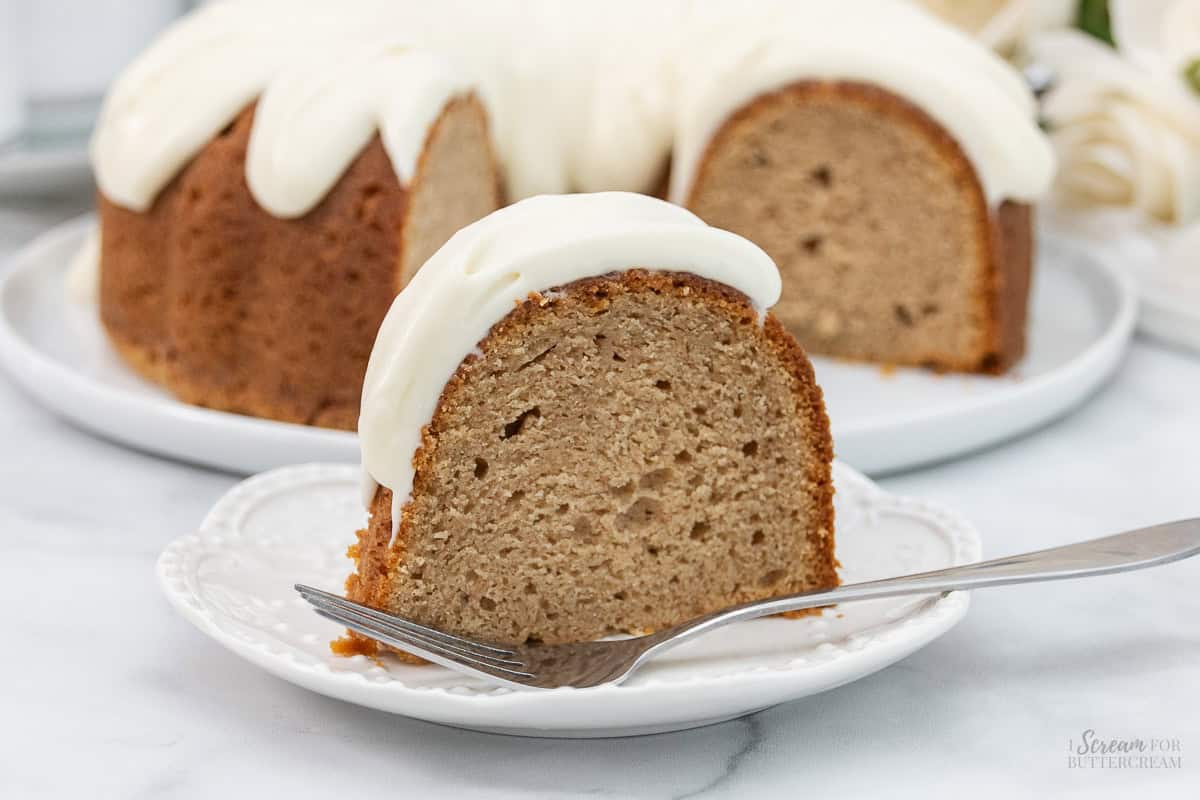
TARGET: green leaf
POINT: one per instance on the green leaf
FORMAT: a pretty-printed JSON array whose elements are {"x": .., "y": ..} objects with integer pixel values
[
  {"x": 1092, "y": 18},
  {"x": 1191, "y": 74}
]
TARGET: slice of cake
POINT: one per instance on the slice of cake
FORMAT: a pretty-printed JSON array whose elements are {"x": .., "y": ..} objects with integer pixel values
[
  {"x": 885, "y": 161},
  {"x": 579, "y": 419},
  {"x": 889, "y": 248}
]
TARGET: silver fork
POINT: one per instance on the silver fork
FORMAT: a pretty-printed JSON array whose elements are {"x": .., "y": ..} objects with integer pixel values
[{"x": 584, "y": 664}]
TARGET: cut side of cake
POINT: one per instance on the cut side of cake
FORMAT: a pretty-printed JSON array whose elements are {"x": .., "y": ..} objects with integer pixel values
[
  {"x": 622, "y": 448},
  {"x": 232, "y": 307},
  {"x": 889, "y": 249}
]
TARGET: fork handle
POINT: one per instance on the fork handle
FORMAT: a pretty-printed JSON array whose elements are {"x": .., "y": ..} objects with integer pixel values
[{"x": 1136, "y": 549}]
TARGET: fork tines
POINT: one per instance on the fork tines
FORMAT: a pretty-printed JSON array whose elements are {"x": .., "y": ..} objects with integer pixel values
[{"x": 412, "y": 637}]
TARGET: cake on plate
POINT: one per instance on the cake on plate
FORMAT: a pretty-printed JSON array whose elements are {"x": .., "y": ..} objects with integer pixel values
[
  {"x": 255, "y": 277},
  {"x": 270, "y": 177},
  {"x": 581, "y": 419}
]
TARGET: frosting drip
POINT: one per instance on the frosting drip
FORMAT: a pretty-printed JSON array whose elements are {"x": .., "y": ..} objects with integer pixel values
[
  {"x": 487, "y": 268},
  {"x": 316, "y": 115},
  {"x": 581, "y": 96},
  {"x": 189, "y": 85},
  {"x": 734, "y": 56}
]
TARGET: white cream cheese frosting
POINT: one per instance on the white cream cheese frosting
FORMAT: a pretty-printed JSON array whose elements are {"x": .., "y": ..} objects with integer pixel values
[
  {"x": 189, "y": 85},
  {"x": 581, "y": 96},
  {"x": 326, "y": 78},
  {"x": 487, "y": 268},
  {"x": 317, "y": 114}
]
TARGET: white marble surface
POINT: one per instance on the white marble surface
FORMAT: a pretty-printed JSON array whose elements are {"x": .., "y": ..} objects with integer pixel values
[{"x": 104, "y": 692}]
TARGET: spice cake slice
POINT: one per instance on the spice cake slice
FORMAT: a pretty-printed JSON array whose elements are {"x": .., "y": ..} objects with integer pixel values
[
  {"x": 889, "y": 248},
  {"x": 580, "y": 419}
]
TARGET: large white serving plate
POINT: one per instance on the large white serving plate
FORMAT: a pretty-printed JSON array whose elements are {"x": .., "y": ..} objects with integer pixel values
[
  {"x": 1082, "y": 316},
  {"x": 233, "y": 579}
]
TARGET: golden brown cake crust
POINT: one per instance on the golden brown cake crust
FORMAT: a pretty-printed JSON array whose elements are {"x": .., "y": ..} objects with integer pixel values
[
  {"x": 1012, "y": 272},
  {"x": 233, "y": 308},
  {"x": 1003, "y": 236},
  {"x": 376, "y": 563}
]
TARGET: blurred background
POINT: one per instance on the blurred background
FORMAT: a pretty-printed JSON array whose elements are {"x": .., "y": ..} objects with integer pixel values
[{"x": 57, "y": 57}]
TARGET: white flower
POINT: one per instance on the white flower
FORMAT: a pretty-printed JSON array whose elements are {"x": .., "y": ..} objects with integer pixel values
[
  {"x": 1125, "y": 122},
  {"x": 1161, "y": 37},
  {"x": 1003, "y": 25}
]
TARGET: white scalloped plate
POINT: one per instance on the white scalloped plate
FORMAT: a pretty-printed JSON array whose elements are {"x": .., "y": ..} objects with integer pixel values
[
  {"x": 233, "y": 580},
  {"x": 1082, "y": 316}
]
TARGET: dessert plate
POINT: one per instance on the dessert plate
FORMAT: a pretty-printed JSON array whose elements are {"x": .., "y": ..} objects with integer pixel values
[
  {"x": 233, "y": 580},
  {"x": 1082, "y": 316}
]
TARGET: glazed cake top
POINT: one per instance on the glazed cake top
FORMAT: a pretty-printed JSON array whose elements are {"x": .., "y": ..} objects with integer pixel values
[
  {"x": 581, "y": 96},
  {"x": 491, "y": 266}
]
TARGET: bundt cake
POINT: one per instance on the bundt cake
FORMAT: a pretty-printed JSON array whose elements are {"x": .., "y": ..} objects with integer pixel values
[
  {"x": 270, "y": 176},
  {"x": 579, "y": 419}
]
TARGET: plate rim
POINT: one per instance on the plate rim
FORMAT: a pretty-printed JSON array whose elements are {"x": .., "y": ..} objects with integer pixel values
[{"x": 930, "y": 621}]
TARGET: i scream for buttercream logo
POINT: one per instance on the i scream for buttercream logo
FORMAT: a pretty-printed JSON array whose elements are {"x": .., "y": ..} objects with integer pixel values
[{"x": 1094, "y": 750}]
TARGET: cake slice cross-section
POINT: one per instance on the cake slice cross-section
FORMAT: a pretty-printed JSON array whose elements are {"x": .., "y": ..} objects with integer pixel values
[
  {"x": 580, "y": 419},
  {"x": 890, "y": 250}
]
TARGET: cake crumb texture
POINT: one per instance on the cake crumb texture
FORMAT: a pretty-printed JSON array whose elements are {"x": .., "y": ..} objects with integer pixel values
[
  {"x": 629, "y": 452},
  {"x": 888, "y": 249}
]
